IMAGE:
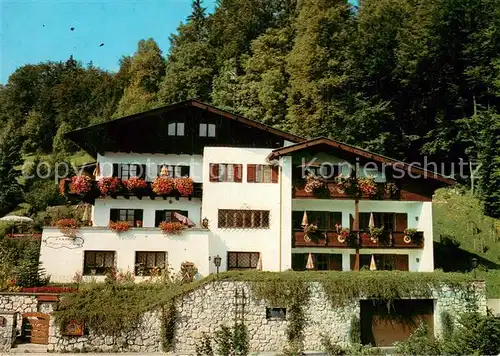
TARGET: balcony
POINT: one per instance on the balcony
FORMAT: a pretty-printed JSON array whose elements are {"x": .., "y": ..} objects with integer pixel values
[
  {"x": 359, "y": 239},
  {"x": 332, "y": 191},
  {"x": 94, "y": 192}
]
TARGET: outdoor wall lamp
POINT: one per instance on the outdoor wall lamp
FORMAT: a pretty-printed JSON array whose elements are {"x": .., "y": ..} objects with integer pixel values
[
  {"x": 217, "y": 261},
  {"x": 204, "y": 223}
]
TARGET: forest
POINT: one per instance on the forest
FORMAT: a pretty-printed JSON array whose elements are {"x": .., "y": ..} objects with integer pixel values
[{"x": 405, "y": 78}]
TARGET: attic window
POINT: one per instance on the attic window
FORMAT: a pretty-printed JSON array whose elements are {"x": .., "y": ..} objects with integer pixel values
[
  {"x": 207, "y": 130},
  {"x": 176, "y": 129}
]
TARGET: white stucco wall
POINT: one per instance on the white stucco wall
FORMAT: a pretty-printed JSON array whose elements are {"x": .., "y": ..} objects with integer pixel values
[
  {"x": 252, "y": 196},
  {"x": 419, "y": 217},
  {"x": 62, "y": 257},
  {"x": 102, "y": 206}
]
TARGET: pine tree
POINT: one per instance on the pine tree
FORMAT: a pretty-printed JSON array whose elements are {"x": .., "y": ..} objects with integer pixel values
[
  {"x": 10, "y": 157},
  {"x": 30, "y": 270},
  {"x": 490, "y": 168}
]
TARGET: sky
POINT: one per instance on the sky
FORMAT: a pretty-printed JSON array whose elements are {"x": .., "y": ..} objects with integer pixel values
[{"x": 33, "y": 31}]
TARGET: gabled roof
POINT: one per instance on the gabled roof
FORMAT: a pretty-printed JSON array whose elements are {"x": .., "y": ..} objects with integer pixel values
[
  {"x": 82, "y": 136},
  {"x": 356, "y": 151}
]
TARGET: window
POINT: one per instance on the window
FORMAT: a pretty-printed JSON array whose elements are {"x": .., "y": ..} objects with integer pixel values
[
  {"x": 174, "y": 171},
  {"x": 98, "y": 262},
  {"x": 325, "y": 220},
  {"x": 225, "y": 172},
  {"x": 176, "y": 129},
  {"x": 133, "y": 216},
  {"x": 326, "y": 170},
  {"x": 249, "y": 219},
  {"x": 321, "y": 261},
  {"x": 262, "y": 173},
  {"x": 380, "y": 219},
  {"x": 146, "y": 262},
  {"x": 242, "y": 260},
  {"x": 125, "y": 170},
  {"x": 207, "y": 130},
  {"x": 168, "y": 215},
  {"x": 276, "y": 313}
]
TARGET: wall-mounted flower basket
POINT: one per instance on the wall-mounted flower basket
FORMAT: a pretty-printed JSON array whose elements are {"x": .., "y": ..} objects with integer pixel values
[
  {"x": 412, "y": 235},
  {"x": 69, "y": 227},
  {"x": 367, "y": 186},
  {"x": 347, "y": 185},
  {"x": 317, "y": 186},
  {"x": 171, "y": 228},
  {"x": 391, "y": 190},
  {"x": 109, "y": 185},
  {"x": 135, "y": 184},
  {"x": 163, "y": 186},
  {"x": 184, "y": 186},
  {"x": 119, "y": 226}
]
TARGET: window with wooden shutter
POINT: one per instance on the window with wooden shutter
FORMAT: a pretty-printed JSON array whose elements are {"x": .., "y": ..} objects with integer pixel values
[
  {"x": 225, "y": 172},
  {"x": 402, "y": 262},
  {"x": 275, "y": 174},
  {"x": 242, "y": 260},
  {"x": 251, "y": 171},
  {"x": 173, "y": 171},
  {"x": 248, "y": 219},
  {"x": 115, "y": 170},
  {"x": 401, "y": 222},
  {"x": 146, "y": 262},
  {"x": 98, "y": 262},
  {"x": 133, "y": 216}
]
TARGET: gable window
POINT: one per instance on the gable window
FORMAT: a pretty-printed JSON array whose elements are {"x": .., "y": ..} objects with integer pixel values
[
  {"x": 247, "y": 219},
  {"x": 207, "y": 130},
  {"x": 146, "y": 262},
  {"x": 168, "y": 215},
  {"x": 133, "y": 216},
  {"x": 262, "y": 173},
  {"x": 98, "y": 262},
  {"x": 126, "y": 171},
  {"x": 225, "y": 172},
  {"x": 174, "y": 171},
  {"x": 242, "y": 260},
  {"x": 176, "y": 129}
]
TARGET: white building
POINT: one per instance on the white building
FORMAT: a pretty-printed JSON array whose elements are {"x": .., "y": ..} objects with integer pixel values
[{"x": 249, "y": 187}]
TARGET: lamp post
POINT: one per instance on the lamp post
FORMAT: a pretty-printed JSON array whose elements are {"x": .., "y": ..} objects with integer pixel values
[
  {"x": 474, "y": 263},
  {"x": 217, "y": 261}
]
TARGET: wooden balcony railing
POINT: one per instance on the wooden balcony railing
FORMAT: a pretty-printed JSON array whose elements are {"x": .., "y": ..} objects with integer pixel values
[
  {"x": 332, "y": 192},
  {"x": 359, "y": 239}
]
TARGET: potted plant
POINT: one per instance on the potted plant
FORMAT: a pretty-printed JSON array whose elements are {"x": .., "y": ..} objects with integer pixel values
[
  {"x": 119, "y": 226},
  {"x": 184, "y": 186},
  {"x": 317, "y": 186},
  {"x": 376, "y": 234},
  {"x": 80, "y": 185},
  {"x": 109, "y": 185},
  {"x": 171, "y": 227},
  {"x": 312, "y": 233},
  {"x": 163, "y": 185},
  {"x": 391, "y": 189},
  {"x": 135, "y": 184},
  {"x": 346, "y": 185},
  {"x": 138, "y": 223},
  {"x": 69, "y": 227},
  {"x": 344, "y": 236},
  {"x": 188, "y": 271},
  {"x": 367, "y": 186},
  {"x": 410, "y": 235}
]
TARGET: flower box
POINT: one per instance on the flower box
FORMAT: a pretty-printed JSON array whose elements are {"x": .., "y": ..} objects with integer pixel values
[
  {"x": 184, "y": 186},
  {"x": 171, "y": 228},
  {"x": 119, "y": 226},
  {"x": 109, "y": 185},
  {"x": 163, "y": 185}
]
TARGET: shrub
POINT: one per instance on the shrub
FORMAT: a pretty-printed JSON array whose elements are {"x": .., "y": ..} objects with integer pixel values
[
  {"x": 204, "y": 347},
  {"x": 30, "y": 271},
  {"x": 419, "y": 343}
]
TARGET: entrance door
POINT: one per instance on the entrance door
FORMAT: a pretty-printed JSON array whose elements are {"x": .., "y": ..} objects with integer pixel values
[
  {"x": 36, "y": 328},
  {"x": 382, "y": 325}
]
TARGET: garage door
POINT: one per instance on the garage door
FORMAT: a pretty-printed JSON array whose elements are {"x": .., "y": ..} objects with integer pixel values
[{"x": 382, "y": 325}]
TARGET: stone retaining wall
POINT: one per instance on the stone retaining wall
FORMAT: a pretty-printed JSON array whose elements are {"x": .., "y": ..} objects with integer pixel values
[
  {"x": 20, "y": 303},
  {"x": 204, "y": 310}
]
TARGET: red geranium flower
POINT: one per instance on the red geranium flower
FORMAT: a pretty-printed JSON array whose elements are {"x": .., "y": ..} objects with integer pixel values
[
  {"x": 163, "y": 185},
  {"x": 184, "y": 186}
]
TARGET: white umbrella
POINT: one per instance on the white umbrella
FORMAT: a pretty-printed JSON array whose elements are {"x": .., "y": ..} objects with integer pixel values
[
  {"x": 259, "y": 263},
  {"x": 305, "y": 221},
  {"x": 373, "y": 266},
  {"x": 371, "y": 224},
  {"x": 97, "y": 170},
  {"x": 310, "y": 263},
  {"x": 16, "y": 218}
]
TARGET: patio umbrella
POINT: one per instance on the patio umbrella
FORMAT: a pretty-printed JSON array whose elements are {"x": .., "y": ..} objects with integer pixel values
[
  {"x": 372, "y": 221},
  {"x": 305, "y": 221},
  {"x": 97, "y": 170},
  {"x": 259, "y": 263},
  {"x": 16, "y": 218},
  {"x": 373, "y": 266},
  {"x": 310, "y": 263},
  {"x": 184, "y": 219},
  {"x": 164, "y": 171}
]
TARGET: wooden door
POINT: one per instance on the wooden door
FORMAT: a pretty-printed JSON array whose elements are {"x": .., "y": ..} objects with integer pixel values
[
  {"x": 382, "y": 326},
  {"x": 36, "y": 328}
]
